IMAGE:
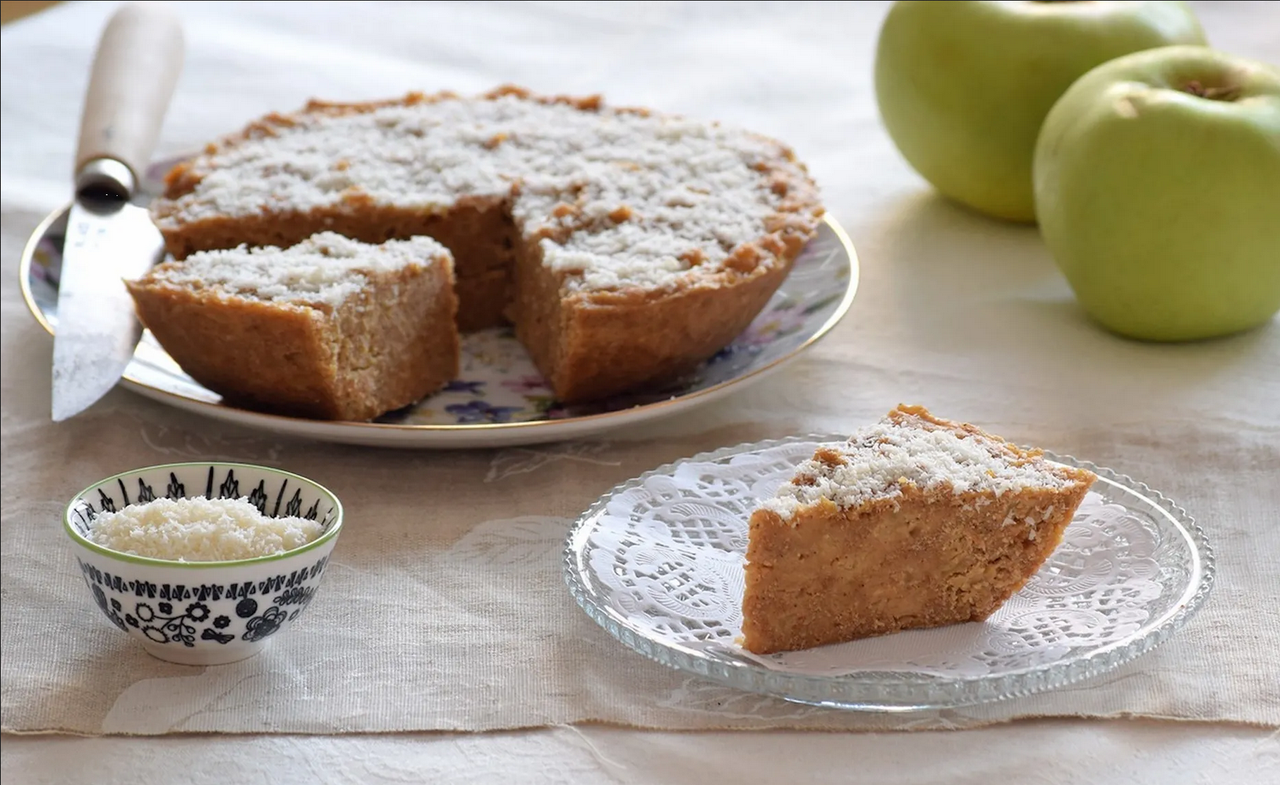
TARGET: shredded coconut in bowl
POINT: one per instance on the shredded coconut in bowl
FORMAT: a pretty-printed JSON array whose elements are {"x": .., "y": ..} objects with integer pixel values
[{"x": 199, "y": 530}]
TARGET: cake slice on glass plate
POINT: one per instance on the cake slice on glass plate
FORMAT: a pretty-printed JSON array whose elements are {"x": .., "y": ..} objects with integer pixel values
[{"x": 914, "y": 522}]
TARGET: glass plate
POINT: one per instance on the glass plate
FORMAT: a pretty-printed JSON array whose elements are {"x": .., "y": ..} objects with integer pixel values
[
  {"x": 499, "y": 399},
  {"x": 658, "y": 562}
]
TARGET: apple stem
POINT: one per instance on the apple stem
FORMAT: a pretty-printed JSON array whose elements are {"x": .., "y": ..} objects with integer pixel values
[{"x": 1211, "y": 93}]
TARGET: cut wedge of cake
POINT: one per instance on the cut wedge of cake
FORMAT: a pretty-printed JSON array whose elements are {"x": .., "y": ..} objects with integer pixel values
[
  {"x": 330, "y": 328},
  {"x": 626, "y": 246},
  {"x": 914, "y": 522}
]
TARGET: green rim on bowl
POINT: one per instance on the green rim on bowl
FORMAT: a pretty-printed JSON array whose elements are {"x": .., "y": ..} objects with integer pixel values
[{"x": 80, "y": 539}]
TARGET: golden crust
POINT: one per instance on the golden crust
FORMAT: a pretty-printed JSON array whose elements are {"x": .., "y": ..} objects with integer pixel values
[{"x": 610, "y": 345}]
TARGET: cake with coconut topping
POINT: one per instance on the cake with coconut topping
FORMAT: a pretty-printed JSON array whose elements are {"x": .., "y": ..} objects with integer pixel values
[
  {"x": 914, "y": 522},
  {"x": 330, "y": 327},
  {"x": 626, "y": 246}
]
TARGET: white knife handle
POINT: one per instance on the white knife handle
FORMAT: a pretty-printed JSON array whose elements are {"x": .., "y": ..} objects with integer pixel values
[{"x": 134, "y": 73}]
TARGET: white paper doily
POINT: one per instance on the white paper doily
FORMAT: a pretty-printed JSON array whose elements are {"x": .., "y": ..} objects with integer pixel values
[{"x": 658, "y": 562}]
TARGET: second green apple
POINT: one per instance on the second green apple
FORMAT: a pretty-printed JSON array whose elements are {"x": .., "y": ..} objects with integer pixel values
[{"x": 963, "y": 87}]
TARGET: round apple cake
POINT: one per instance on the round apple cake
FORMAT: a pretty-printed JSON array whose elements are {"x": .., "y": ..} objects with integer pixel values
[{"x": 625, "y": 246}]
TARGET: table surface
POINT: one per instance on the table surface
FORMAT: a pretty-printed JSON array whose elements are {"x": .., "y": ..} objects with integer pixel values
[{"x": 47, "y": 56}]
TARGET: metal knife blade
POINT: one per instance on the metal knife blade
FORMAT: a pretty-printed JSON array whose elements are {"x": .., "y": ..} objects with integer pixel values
[
  {"x": 97, "y": 327},
  {"x": 108, "y": 238}
]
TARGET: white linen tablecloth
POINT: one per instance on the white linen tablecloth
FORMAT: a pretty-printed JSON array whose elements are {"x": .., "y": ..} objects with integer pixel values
[{"x": 955, "y": 311}]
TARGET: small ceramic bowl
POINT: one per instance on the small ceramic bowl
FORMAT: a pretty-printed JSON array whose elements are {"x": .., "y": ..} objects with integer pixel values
[{"x": 205, "y": 613}]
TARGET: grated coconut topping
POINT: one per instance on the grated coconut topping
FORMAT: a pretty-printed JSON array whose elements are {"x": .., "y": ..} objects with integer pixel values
[
  {"x": 199, "y": 529},
  {"x": 691, "y": 191},
  {"x": 324, "y": 269},
  {"x": 879, "y": 459}
]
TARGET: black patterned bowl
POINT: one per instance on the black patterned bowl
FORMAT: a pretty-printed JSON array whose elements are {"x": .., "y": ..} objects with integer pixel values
[{"x": 205, "y": 613}]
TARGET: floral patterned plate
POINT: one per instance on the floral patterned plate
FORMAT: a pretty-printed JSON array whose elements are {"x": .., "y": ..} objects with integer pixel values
[{"x": 500, "y": 399}]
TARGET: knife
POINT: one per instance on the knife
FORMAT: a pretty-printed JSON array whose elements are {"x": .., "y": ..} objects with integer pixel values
[{"x": 108, "y": 237}]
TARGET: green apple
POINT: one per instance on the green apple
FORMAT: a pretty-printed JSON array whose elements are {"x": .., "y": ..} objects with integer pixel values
[
  {"x": 1157, "y": 179},
  {"x": 964, "y": 86}
]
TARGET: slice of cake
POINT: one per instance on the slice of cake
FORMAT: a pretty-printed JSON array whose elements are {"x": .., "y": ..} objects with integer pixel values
[
  {"x": 914, "y": 522},
  {"x": 330, "y": 328},
  {"x": 626, "y": 246}
]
